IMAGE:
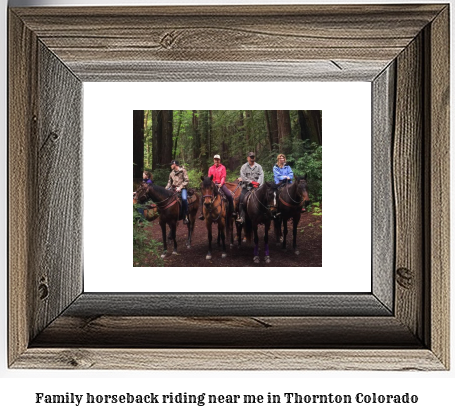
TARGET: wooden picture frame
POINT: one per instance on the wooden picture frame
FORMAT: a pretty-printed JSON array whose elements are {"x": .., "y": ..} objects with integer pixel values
[{"x": 403, "y": 324}]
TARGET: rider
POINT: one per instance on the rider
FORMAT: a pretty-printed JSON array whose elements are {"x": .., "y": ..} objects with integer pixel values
[
  {"x": 178, "y": 179},
  {"x": 147, "y": 177},
  {"x": 251, "y": 175},
  {"x": 281, "y": 171},
  {"x": 219, "y": 177}
]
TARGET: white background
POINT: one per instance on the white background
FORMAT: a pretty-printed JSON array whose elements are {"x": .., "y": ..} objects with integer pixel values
[
  {"x": 346, "y": 124},
  {"x": 17, "y": 387}
]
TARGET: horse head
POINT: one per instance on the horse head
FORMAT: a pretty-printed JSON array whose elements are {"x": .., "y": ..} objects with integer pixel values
[
  {"x": 271, "y": 196},
  {"x": 141, "y": 194},
  {"x": 302, "y": 188},
  {"x": 209, "y": 190}
]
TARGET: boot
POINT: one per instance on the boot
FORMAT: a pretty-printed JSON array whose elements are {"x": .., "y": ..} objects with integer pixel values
[{"x": 185, "y": 213}]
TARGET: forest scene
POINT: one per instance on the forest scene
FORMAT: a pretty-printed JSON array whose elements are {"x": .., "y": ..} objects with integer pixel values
[{"x": 219, "y": 238}]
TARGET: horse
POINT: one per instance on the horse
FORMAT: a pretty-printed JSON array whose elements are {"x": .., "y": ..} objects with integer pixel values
[
  {"x": 170, "y": 211},
  {"x": 260, "y": 207},
  {"x": 291, "y": 199},
  {"x": 235, "y": 189},
  {"x": 215, "y": 210}
]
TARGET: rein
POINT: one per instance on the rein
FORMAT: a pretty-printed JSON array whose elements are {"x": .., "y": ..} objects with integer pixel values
[
  {"x": 212, "y": 201},
  {"x": 288, "y": 204}
]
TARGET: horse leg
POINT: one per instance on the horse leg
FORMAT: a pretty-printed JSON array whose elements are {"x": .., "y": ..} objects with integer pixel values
[
  {"x": 188, "y": 240},
  {"x": 266, "y": 243},
  {"x": 174, "y": 236},
  {"x": 285, "y": 233},
  {"x": 209, "y": 234},
  {"x": 221, "y": 230},
  {"x": 218, "y": 238},
  {"x": 163, "y": 231},
  {"x": 294, "y": 235},
  {"x": 239, "y": 234},
  {"x": 277, "y": 226},
  {"x": 256, "y": 245}
]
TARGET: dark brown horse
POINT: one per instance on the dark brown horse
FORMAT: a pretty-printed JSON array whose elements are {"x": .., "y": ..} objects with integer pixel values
[
  {"x": 260, "y": 207},
  {"x": 291, "y": 199},
  {"x": 170, "y": 211},
  {"x": 215, "y": 210},
  {"x": 235, "y": 189}
]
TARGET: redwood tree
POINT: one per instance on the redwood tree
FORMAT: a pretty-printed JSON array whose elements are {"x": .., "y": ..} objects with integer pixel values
[{"x": 138, "y": 143}]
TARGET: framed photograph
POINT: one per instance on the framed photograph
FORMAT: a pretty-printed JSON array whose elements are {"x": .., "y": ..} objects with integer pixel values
[{"x": 401, "y": 323}]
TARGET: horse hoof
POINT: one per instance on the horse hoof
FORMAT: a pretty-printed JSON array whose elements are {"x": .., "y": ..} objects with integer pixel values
[
  {"x": 175, "y": 253},
  {"x": 267, "y": 260},
  {"x": 223, "y": 255},
  {"x": 208, "y": 257},
  {"x": 188, "y": 246},
  {"x": 256, "y": 260},
  {"x": 163, "y": 255},
  {"x": 296, "y": 252},
  {"x": 231, "y": 246}
]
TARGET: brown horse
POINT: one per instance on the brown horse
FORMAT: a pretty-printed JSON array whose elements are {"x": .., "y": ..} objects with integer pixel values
[
  {"x": 235, "y": 189},
  {"x": 290, "y": 201},
  {"x": 170, "y": 211},
  {"x": 260, "y": 207},
  {"x": 215, "y": 210}
]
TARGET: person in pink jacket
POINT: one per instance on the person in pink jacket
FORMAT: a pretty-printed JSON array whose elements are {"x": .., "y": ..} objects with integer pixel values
[{"x": 219, "y": 177}]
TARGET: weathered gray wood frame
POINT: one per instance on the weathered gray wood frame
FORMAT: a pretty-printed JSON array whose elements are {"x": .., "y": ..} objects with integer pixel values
[{"x": 403, "y": 50}]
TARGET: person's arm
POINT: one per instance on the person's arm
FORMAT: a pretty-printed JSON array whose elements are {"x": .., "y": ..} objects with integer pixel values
[
  {"x": 243, "y": 175},
  {"x": 186, "y": 180},
  {"x": 277, "y": 174},
  {"x": 169, "y": 182},
  {"x": 290, "y": 173},
  {"x": 223, "y": 176},
  {"x": 261, "y": 176}
]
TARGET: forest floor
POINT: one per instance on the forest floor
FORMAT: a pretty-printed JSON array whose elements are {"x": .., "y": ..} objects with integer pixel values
[{"x": 309, "y": 244}]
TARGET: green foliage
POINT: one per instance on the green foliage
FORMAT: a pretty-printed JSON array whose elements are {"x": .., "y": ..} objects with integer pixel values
[
  {"x": 232, "y": 134},
  {"x": 145, "y": 249}
]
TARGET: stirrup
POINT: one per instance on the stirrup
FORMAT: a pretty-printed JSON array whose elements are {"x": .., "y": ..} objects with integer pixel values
[{"x": 186, "y": 221}]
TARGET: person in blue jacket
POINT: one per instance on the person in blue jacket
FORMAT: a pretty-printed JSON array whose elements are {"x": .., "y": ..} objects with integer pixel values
[{"x": 281, "y": 171}]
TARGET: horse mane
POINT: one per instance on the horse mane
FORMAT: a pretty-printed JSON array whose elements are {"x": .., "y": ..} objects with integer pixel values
[{"x": 161, "y": 191}]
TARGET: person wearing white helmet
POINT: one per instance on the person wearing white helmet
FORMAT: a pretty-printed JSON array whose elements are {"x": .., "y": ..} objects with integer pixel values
[{"x": 219, "y": 177}]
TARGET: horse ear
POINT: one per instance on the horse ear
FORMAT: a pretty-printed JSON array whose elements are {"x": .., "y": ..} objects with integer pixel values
[
  {"x": 211, "y": 177},
  {"x": 305, "y": 176},
  {"x": 202, "y": 178}
]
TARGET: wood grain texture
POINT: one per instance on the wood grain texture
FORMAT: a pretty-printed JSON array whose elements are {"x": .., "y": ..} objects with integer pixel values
[
  {"x": 57, "y": 224},
  {"x": 438, "y": 256},
  {"x": 256, "y": 332},
  {"x": 227, "y": 34},
  {"x": 234, "y": 359},
  {"x": 408, "y": 187},
  {"x": 22, "y": 94},
  {"x": 310, "y": 71},
  {"x": 403, "y": 326},
  {"x": 383, "y": 215},
  {"x": 90, "y": 305}
]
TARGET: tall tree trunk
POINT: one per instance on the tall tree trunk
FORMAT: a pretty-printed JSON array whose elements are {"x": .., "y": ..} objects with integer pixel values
[
  {"x": 269, "y": 131},
  {"x": 157, "y": 138},
  {"x": 196, "y": 140},
  {"x": 138, "y": 143},
  {"x": 179, "y": 126},
  {"x": 312, "y": 125},
  {"x": 302, "y": 125},
  {"x": 167, "y": 130},
  {"x": 274, "y": 126},
  {"x": 204, "y": 134},
  {"x": 284, "y": 130}
]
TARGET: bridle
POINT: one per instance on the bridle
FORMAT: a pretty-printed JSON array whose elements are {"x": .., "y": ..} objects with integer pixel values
[
  {"x": 268, "y": 208},
  {"x": 213, "y": 198},
  {"x": 163, "y": 204}
]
